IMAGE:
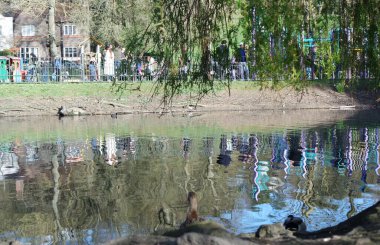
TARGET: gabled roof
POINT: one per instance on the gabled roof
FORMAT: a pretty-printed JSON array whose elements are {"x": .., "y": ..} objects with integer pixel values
[
  {"x": 21, "y": 17},
  {"x": 7, "y": 14}
]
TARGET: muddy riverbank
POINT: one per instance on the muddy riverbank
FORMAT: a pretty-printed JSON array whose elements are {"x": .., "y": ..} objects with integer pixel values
[{"x": 235, "y": 100}]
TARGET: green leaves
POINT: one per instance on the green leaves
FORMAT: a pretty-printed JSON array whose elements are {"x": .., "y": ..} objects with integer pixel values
[{"x": 310, "y": 38}]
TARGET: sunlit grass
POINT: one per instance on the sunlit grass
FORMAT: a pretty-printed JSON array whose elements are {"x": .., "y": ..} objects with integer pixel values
[
  {"x": 99, "y": 89},
  {"x": 109, "y": 90},
  {"x": 67, "y": 89}
]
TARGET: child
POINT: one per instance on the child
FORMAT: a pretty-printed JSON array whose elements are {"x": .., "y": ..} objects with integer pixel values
[{"x": 92, "y": 68}]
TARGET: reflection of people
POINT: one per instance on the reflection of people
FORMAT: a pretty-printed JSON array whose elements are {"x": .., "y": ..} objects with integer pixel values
[
  {"x": 109, "y": 63},
  {"x": 186, "y": 142},
  {"x": 294, "y": 153},
  {"x": 224, "y": 157},
  {"x": 253, "y": 147},
  {"x": 111, "y": 158}
]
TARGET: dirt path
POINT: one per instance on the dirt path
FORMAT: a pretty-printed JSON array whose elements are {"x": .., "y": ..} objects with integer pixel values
[{"x": 237, "y": 100}]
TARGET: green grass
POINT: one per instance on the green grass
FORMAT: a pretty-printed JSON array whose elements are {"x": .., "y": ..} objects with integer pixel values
[
  {"x": 55, "y": 90},
  {"x": 94, "y": 89},
  {"x": 145, "y": 88},
  {"x": 66, "y": 89}
]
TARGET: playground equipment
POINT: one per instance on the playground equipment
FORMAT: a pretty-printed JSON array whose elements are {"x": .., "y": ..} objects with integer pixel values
[
  {"x": 15, "y": 69},
  {"x": 310, "y": 42},
  {"x": 4, "y": 75}
]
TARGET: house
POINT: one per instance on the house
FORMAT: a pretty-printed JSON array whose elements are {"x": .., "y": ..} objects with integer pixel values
[
  {"x": 31, "y": 35},
  {"x": 6, "y": 32}
]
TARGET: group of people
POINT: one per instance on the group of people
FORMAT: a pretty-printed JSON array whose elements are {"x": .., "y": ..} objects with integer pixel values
[
  {"x": 143, "y": 67},
  {"x": 115, "y": 64},
  {"x": 237, "y": 66},
  {"x": 146, "y": 67}
]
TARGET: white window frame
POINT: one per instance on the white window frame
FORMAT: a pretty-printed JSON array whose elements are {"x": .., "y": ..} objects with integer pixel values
[
  {"x": 71, "y": 52},
  {"x": 28, "y": 30},
  {"x": 69, "y": 30},
  {"x": 25, "y": 52}
]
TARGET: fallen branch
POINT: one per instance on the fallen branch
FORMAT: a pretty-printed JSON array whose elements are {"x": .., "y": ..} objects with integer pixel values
[{"x": 115, "y": 104}]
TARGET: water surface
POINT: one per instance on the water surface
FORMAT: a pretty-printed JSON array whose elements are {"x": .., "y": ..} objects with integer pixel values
[{"x": 92, "y": 179}]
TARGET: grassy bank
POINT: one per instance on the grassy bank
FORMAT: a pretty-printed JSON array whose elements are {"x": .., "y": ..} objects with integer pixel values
[
  {"x": 246, "y": 109},
  {"x": 56, "y": 90},
  {"x": 107, "y": 90}
]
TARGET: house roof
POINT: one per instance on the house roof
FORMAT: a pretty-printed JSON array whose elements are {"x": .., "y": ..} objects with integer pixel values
[
  {"x": 61, "y": 15},
  {"x": 4, "y": 13}
]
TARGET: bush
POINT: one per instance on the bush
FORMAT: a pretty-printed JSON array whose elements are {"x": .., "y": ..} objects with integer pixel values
[
  {"x": 340, "y": 86},
  {"x": 5, "y": 52}
]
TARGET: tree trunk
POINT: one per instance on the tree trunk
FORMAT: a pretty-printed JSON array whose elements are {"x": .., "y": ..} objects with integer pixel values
[{"x": 51, "y": 28}]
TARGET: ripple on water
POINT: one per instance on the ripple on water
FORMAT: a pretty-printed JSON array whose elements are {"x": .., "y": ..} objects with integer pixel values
[{"x": 156, "y": 165}]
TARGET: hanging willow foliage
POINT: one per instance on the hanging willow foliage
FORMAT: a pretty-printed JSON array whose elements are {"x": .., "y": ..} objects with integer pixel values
[
  {"x": 345, "y": 46},
  {"x": 182, "y": 32},
  {"x": 345, "y": 34}
]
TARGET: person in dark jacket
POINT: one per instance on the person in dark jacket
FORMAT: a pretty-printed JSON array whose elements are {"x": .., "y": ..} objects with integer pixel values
[
  {"x": 222, "y": 59},
  {"x": 241, "y": 58}
]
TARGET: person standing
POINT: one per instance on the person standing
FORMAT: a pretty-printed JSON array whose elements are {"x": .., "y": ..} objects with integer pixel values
[
  {"x": 57, "y": 70},
  {"x": 241, "y": 57},
  {"x": 109, "y": 63},
  {"x": 222, "y": 55},
  {"x": 92, "y": 69},
  {"x": 151, "y": 67}
]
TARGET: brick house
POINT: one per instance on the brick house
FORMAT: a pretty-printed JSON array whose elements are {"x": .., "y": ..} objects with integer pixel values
[{"x": 31, "y": 35}]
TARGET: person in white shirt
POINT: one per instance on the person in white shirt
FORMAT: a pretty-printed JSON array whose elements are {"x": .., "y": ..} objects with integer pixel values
[{"x": 109, "y": 63}]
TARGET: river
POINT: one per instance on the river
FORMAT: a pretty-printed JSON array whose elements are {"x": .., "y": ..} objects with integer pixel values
[{"x": 93, "y": 179}]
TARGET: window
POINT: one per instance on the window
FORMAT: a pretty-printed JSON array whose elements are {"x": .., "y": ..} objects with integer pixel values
[
  {"x": 71, "y": 52},
  {"x": 28, "y": 52},
  {"x": 28, "y": 31},
  {"x": 69, "y": 30}
]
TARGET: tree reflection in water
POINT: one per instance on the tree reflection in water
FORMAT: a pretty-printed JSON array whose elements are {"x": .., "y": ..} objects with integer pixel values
[{"x": 70, "y": 190}]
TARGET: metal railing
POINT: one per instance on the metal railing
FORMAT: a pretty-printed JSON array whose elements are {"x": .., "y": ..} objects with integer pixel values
[{"x": 127, "y": 70}]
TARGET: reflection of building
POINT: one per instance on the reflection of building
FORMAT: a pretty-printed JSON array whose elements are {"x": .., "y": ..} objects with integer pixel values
[
  {"x": 6, "y": 32},
  {"x": 31, "y": 153},
  {"x": 125, "y": 147},
  {"x": 73, "y": 153}
]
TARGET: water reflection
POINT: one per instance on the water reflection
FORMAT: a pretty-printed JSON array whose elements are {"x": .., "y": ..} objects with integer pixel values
[
  {"x": 108, "y": 185},
  {"x": 225, "y": 147}
]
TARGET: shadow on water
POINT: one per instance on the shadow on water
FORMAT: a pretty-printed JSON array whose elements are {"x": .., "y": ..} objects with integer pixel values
[{"x": 95, "y": 179}]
